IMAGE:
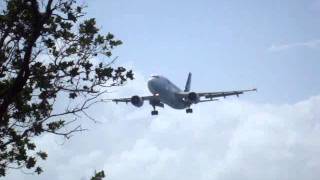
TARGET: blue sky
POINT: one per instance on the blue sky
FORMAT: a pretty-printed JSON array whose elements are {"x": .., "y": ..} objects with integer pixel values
[{"x": 226, "y": 44}]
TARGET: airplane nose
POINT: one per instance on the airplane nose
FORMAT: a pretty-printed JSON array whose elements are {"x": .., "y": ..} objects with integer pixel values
[
  {"x": 151, "y": 85},
  {"x": 151, "y": 82}
]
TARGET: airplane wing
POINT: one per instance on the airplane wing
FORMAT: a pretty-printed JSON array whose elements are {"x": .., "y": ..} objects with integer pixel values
[
  {"x": 128, "y": 100},
  {"x": 139, "y": 100},
  {"x": 211, "y": 95}
]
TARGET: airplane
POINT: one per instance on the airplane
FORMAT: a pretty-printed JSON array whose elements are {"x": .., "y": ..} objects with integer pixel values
[{"x": 165, "y": 92}]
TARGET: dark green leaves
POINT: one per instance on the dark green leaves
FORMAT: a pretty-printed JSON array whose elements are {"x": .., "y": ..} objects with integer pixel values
[
  {"x": 49, "y": 43},
  {"x": 49, "y": 53},
  {"x": 88, "y": 27},
  {"x": 30, "y": 162},
  {"x": 72, "y": 95},
  {"x": 42, "y": 155},
  {"x": 72, "y": 17},
  {"x": 98, "y": 175},
  {"x": 53, "y": 126},
  {"x": 31, "y": 146},
  {"x": 38, "y": 170}
]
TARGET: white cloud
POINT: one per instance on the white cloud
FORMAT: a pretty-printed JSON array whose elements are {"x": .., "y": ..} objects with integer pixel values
[
  {"x": 308, "y": 44},
  {"x": 230, "y": 139}
]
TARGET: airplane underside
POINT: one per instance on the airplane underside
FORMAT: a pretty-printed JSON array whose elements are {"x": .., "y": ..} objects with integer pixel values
[
  {"x": 180, "y": 105},
  {"x": 165, "y": 92}
]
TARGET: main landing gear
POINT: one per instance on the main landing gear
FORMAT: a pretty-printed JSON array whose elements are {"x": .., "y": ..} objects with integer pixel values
[
  {"x": 189, "y": 110},
  {"x": 154, "y": 112}
]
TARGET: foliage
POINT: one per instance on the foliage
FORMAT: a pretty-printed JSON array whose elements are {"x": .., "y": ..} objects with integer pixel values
[
  {"x": 47, "y": 51},
  {"x": 98, "y": 175}
]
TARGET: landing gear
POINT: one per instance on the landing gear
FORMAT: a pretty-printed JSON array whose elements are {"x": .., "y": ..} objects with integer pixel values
[
  {"x": 154, "y": 112},
  {"x": 189, "y": 110}
]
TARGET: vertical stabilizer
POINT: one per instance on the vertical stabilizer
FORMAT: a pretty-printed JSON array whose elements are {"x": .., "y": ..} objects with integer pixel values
[{"x": 188, "y": 84}]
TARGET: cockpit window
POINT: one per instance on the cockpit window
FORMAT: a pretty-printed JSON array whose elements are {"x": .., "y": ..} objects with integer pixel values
[{"x": 155, "y": 76}]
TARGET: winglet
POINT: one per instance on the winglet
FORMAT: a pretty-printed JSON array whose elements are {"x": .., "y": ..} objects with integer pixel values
[
  {"x": 188, "y": 84},
  {"x": 254, "y": 89}
]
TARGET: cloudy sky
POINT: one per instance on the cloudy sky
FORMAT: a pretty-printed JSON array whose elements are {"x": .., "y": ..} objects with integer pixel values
[{"x": 272, "y": 134}]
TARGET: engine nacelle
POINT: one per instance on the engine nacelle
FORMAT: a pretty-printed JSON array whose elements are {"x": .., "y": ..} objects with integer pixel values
[
  {"x": 136, "y": 101},
  {"x": 193, "y": 97}
]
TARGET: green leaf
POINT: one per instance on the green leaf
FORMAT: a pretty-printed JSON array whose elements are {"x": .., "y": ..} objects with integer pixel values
[
  {"x": 42, "y": 155},
  {"x": 98, "y": 175},
  {"x": 30, "y": 162},
  {"x": 38, "y": 170},
  {"x": 73, "y": 95}
]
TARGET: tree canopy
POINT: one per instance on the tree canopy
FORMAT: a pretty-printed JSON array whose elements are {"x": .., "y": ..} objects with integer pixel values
[{"x": 49, "y": 50}]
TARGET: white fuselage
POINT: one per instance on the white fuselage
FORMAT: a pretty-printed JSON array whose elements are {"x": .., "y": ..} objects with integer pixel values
[{"x": 167, "y": 92}]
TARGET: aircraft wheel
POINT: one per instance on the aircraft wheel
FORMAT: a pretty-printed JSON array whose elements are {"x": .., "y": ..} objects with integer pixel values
[
  {"x": 189, "y": 110},
  {"x": 154, "y": 113}
]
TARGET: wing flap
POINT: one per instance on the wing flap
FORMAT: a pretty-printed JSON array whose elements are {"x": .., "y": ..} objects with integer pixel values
[
  {"x": 153, "y": 100},
  {"x": 210, "y": 95},
  {"x": 127, "y": 100}
]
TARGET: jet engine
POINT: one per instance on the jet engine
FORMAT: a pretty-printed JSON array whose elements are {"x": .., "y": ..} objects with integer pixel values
[
  {"x": 136, "y": 101},
  {"x": 193, "y": 97}
]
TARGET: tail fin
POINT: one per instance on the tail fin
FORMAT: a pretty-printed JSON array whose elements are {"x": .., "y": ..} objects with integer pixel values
[{"x": 188, "y": 84}]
